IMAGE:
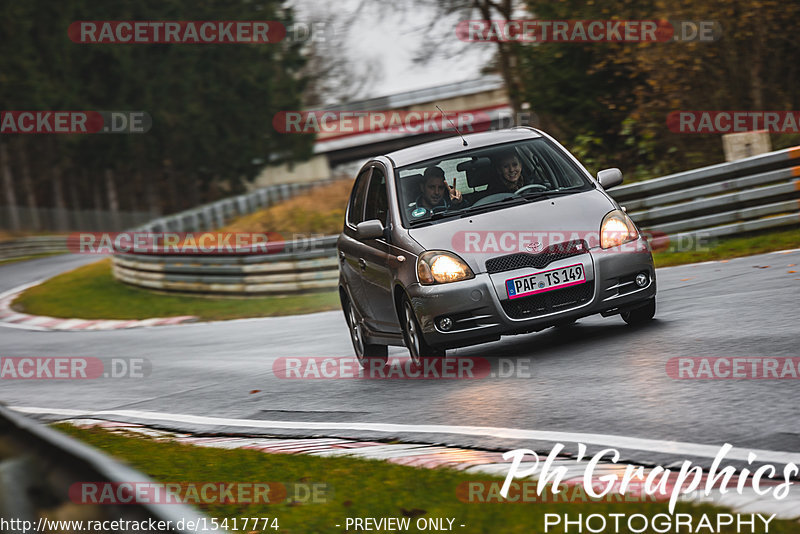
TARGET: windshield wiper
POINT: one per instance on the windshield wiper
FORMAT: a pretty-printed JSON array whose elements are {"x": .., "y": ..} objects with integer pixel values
[
  {"x": 435, "y": 217},
  {"x": 496, "y": 203},
  {"x": 442, "y": 214},
  {"x": 549, "y": 193}
]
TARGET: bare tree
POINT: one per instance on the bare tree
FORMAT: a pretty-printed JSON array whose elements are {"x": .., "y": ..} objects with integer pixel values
[
  {"x": 331, "y": 74},
  {"x": 440, "y": 38},
  {"x": 8, "y": 187}
]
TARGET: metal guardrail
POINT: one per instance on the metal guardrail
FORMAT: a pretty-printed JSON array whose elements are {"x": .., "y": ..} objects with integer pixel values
[
  {"x": 728, "y": 199},
  {"x": 724, "y": 200},
  {"x": 38, "y": 465},
  {"x": 29, "y": 246},
  {"x": 206, "y": 217},
  {"x": 302, "y": 267},
  {"x": 217, "y": 214},
  {"x": 713, "y": 173}
]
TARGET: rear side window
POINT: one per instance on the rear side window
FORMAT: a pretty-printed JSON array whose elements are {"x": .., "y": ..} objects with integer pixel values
[
  {"x": 377, "y": 206},
  {"x": 355, "y": 211}
]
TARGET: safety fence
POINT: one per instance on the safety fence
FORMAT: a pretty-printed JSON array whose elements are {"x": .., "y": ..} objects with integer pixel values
[
  {"x": 727, "y": 199},
  {"x": 59, "y": 220},
  {"x": 303, "y": 266},
  {"x": 219, "y": 213},
  {"x": 32, "y": 246},
  {"x": 40, "y": 468},
  {"x": 205, "y": 217},
  {"x": 724, "y": 200}
]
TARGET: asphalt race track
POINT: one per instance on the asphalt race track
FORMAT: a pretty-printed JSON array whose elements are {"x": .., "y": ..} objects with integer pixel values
[{"x": 600, "y": 382}]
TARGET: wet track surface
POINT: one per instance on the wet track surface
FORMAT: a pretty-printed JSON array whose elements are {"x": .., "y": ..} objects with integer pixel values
[{"x": 597, "y": 377}]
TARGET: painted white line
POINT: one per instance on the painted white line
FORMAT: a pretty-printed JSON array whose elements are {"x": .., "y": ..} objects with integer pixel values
[
  {"x": 31, "y": 322},
  {"x": 68, "y": 324},
  {"x": 20, "y": 289},
  {"x": 620, "y": 442},
  {"x": 39, "y": 320},
  {"x": 7, "y": 305},
  {"x": 274, "y": 318},
  {"x": 729, "y": 259},
  {"x": 24, "y": 327}
]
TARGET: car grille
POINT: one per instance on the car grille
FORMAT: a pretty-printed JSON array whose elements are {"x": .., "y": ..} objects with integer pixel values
[
  {"x": 555, "y": 252},
  {"x": 549, "y": 302}
]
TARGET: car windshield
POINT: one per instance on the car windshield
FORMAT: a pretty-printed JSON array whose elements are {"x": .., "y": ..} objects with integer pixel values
[{"x": 485, "y": 179}]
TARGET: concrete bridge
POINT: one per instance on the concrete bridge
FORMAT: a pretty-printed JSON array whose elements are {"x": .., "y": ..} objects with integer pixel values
[{"x": 343, "y": 143}]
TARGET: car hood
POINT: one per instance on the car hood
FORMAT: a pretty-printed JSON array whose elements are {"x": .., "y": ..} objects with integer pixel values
[{"x": 527, "y": 227}]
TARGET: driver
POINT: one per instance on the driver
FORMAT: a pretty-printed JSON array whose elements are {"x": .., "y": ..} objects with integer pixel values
[
  {"x": 509, "y": 171},
  {"x": 435, "y": 193}
]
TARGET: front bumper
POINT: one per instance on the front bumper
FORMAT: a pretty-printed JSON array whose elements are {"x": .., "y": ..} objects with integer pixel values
[{"x": 480, "y": 309}]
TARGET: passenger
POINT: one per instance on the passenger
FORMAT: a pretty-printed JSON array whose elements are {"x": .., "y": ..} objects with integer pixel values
[
  {"x": 509, "y": 172},
  {"x": 435, "y": 194}
]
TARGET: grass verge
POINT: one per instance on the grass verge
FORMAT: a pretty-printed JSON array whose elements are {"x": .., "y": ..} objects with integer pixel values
[
  {"x": 91, "y": 292},
  {"x": 319, "y": 211},
  {"x": 730, "y": 248},
  {"x": 354, "y": 488},
  {"x": 31, "y": 257}
]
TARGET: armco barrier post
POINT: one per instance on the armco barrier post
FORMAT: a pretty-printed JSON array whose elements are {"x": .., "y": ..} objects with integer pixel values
[
  {"x": 219, "y": 217},
  {"x": 207, "y": 214},
  {"x": 34, "y": 450}
]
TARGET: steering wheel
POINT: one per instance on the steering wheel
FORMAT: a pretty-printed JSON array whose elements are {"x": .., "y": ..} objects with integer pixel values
[
  {"x": 491, "y": 198},
  {"x": 538, "y": 187}
]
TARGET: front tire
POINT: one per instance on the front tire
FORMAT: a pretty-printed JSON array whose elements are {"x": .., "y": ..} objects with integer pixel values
[
  {"x": 641, "y": 314},
  {"x": 417, "y": 346},
  {"x": 366, "y": 353}
]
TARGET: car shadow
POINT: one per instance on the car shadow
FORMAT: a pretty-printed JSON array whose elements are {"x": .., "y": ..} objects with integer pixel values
[{"x": 542, "y": 344}]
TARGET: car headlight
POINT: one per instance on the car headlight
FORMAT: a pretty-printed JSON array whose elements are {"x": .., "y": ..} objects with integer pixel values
[
  {"x": 617, "y": 228},
  {"x": 441, "y": 267}
]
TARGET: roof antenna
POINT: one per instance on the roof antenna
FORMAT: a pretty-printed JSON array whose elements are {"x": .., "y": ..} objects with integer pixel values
[{"x": 454, "y": 125}]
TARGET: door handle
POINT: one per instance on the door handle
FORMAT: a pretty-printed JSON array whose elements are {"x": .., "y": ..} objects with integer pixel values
[
  {"x": 341, "y": 256},
  {"x": 362, "y": 263}
]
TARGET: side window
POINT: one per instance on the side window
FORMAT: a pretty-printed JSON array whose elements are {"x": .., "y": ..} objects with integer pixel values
[
  {"x": 356, "y": 208},
  {"x": 377, "y": 202},
  {"x": 566, "y": 175}
]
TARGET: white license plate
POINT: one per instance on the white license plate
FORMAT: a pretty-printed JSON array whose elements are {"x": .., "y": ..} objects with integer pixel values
[{"x": 531, "y": 284}]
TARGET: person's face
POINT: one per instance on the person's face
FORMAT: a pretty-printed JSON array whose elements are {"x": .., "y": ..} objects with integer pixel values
[
  {"x": 433, "y": 191},
  {"x": 511, "y": 170}
]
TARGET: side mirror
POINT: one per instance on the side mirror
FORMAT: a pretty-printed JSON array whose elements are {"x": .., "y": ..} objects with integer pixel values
[
  {"x": 609, "y": 178},
  {"x": 369, "y": 229}
]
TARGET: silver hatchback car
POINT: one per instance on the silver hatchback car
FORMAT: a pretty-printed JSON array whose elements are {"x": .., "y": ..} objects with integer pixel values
[{"x": 461, "y": 240}]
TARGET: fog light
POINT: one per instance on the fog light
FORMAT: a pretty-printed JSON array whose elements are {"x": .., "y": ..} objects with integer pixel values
[
  {"x": 641, "y": 279},
  {"x": 445, "y": 323}
]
